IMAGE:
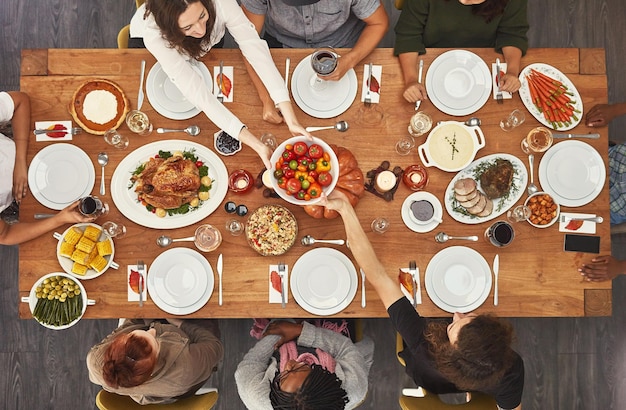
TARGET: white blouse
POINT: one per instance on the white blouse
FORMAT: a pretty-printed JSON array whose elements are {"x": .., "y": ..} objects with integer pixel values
[{"x": 7, "y": 153}]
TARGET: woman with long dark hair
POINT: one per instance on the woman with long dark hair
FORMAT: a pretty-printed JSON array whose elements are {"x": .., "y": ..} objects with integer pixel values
[
  {"x": 178, "y": 32},
  {"x": 501, "y": 24},
  {"x": 472, "y": 353}
]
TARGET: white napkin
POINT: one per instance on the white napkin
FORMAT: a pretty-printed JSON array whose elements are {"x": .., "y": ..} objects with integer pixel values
[
  {"x": 505, "y": 94},
  {"x": 377, "y": 75},
  {"x": 404, "y": 290},
  {"x": 586, "y": 227},
  {"x": 228, "y": 74},
  {"x": 275, "y": 296},
  {"x": 42, "y": 125},
  {"x": 132, "y": 295}
]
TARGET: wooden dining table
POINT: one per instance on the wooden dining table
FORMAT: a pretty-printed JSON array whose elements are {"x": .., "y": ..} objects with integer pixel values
[{"x": 537, "y": 278}]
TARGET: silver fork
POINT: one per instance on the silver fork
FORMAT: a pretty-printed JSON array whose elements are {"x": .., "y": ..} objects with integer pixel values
[
  {"x": 368, "y": 96},
  {"x": 596, "y": 219},
  {"x": 499, "y": 97},
  {"x": 220, "y": 81},
  {"x": 413, "y": 271},
  {"x": 73, "y": 131},
  {"x": 281, "y": 273},
  {"x": 140, "y": 283}
]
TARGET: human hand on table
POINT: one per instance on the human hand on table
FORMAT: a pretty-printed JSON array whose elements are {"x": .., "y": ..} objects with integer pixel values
[
  {"x": 601, "y": 114},
  {"x": 415, "y": 92},
  {"x": 286, "y": 109},
  {"x": 287, "y": 331},
  {"x": 70, "y": 214},
  {"x": 602, "y": 268},
  {"x": 510, "y": 83},
  {"x": 20, "y": 181}
]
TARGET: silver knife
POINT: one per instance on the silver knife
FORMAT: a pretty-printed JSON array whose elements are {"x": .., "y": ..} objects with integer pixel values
[
  {"x": 140, "y": 93},
  {"x": 220, "y": 265},
  {"x": 140, "y": 282},
  {"x": 419, "y": 81},
  {"x": 496, "y": 267},
  {"x": 363, "y": 303},
  {"x": 562, "y": 135}
]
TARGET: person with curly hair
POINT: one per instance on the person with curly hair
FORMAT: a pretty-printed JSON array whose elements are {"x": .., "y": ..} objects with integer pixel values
[
  {"x": 304, "y": 366},
  {"x": 179, "y": 32},
  {"x": 156, "y": 361},
  {"x": 472, "y": 353},
  {"x": 501, "y": 24}
]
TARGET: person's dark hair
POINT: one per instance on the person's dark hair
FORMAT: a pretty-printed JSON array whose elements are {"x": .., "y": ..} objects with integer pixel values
[
  {"x": 488, "y": 9},
  {"x": 321, "y": 390},
  {"x": 480, "y": 356},
  {"x": 128, "y": 361},
  {"x": 166, "y": 14}
]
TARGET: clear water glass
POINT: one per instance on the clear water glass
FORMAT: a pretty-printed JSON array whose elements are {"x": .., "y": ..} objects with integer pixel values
[
  {"x": 514, "y": 119},
  {"x": 270, "y": 140},
  {"x": 405, "y": 144},
  {"x": 114, "y": 138},
  {"x": 380, "y": 225},
  {"x": 114, "y": 229},
  {"x": 519, "y": 213},
  {"x": 235, "y": 227}
]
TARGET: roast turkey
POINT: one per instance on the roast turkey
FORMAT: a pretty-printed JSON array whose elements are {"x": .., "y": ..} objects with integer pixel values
[{"x": 168, "y": 183}]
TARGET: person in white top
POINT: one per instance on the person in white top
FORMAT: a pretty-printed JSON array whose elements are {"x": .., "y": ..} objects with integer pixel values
[{"x": 177, "y": 32}]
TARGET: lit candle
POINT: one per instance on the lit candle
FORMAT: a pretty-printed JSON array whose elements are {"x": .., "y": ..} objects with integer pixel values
[{"x": 385, "y": 181}]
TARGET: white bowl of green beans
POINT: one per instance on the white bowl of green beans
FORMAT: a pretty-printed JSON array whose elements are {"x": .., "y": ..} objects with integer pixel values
[{"x": 58, "y": 300}]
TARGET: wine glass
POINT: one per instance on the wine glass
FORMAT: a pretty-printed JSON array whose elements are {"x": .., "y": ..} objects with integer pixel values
[
  {"x": 380, "y": 225},
  {"x": 538, "y": 140},
  {"x": 114, "y": 229},
  {"x": 519, "y": 213},
  {"x": 324, "y": 63},
  {"x": 93, "y": 206},
  {"x": 405, "y": 144},
  {"x": 207, "y": 238},
  {"x": 270, "y": 140},
  {"x": 114, "y": 138},
  {"x": 234, "y": 226},
  {"x": 514, "y": 119},
  {"x": 139, "y": 122},
  {"x": 420, "y": 124}
]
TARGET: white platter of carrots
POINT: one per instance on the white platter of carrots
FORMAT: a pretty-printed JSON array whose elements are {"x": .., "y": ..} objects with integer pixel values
[{"x": 550, "y": 97}]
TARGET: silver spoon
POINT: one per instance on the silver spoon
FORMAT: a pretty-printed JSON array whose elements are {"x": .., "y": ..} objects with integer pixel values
[
  {"x": 341, "y": 126},
  {"x": 192, "y": 130},
  {"x": 532, "y": 188},
  {"x": 442, "y": 237},
  {"x": 473, "y": 122},
  {"x": 309, "y": 240},
  {"x": 164, "y": 241},
  {"x": 103, "y": 159}
]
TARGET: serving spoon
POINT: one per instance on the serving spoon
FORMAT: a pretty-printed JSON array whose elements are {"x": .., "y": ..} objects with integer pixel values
[
  {"x": 471, "y": 122},
  {"x": 165, "y": 241},
  {"x": 309, "y": 240},
  {"x": 192, "y": 130},
  {"x": 103, "y": 159},
  {"x": 341, "y": 126},
  {"x": 442, "y": 237}
]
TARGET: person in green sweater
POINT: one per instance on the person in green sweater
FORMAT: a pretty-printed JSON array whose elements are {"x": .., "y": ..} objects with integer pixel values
[{"x": 501, "y": 24}]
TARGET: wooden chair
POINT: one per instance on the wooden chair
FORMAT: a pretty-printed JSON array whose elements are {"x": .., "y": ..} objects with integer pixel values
[
  {"x": 123, "y": 36},
  {"x": 430, "y": 401},
  {"x": 111, "y": 401},
  {"x": 399, "y": 4}
]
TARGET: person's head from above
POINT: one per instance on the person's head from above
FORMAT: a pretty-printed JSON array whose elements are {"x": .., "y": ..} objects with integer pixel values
[
  {"x": 306, "y": 387},
  {"x": 185, "y": 24},
  {"x": 130, "y": 358},
  {"x": 474, "y": 351}
]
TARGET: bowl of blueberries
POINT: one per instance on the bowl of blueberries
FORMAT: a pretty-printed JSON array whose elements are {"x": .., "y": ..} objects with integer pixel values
[{"x": 225, "y": 144}]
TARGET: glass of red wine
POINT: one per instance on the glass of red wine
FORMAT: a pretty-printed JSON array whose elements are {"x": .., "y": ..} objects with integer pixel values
[{"x": 324, "y": 63}]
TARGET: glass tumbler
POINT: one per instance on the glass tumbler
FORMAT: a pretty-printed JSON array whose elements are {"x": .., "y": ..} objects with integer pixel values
[
  {"x": 380, "y": 225},
  {"x": 514, "y": 119},
  {"x": 405, "y": 144},
  {"x": 114, "y": 229},
  {"x": 114, "y": 138}
]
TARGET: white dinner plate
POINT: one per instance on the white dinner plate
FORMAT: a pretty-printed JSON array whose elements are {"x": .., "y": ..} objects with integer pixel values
[
  {"x": 548, "y": 70},
  {"x": 67, "y": 263},
  {"x": 323, "y": 281},
  {"x": 125, "y": 197},
  {"x": 500, "y": 205},
  {"x": 60, "y": 174},
  {"x": 180, "y": 281},
  {"x": 458, "y": 279},
  {"x": 406, "y": 211},
  {"x": 330, "y": 102},
  {"x": 166, "y": 98},
  {"x": 458, "y": 82},
  {"x": 572, "y": 172}
]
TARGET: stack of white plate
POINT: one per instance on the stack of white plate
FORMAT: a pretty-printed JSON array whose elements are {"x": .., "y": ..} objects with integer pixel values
[
  {"x": 60, "y": 174},
  {"x": 166, "y": 98},
  {"x": 180, "y": 281},
  {"x": 458, "y": 279},
  {"x": 324, "y": 281}
]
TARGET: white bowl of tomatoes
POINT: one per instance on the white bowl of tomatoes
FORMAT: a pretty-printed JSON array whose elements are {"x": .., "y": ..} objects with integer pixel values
[{"x": 303, "y": 169}]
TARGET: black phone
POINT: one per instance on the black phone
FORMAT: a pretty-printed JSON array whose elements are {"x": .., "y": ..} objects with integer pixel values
[{"x": 582, "y": 243}]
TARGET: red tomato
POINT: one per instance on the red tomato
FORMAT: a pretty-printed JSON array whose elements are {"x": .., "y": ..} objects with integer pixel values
[
  {"x": 315, "y": 151},
  {"x": 199, "y": 163},
  {"x": 300, "y": 148},
  {"x": 324, "y": 178},
  {"x": 293, "y": 186}
]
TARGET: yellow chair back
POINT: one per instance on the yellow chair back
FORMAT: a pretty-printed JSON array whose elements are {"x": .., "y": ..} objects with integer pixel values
[
  {"x": 399, "y": 4},
  {"x": 123, "y": 36},
  {"x": 479, "y": 401},
  {"x": 111, "y": 401}
]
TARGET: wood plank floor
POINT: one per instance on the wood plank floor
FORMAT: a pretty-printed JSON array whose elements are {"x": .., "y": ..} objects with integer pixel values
[{"x": 570, "y": 363}]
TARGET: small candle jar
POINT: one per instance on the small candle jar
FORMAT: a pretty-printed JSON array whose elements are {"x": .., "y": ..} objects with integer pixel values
[
  {"x": 240, "y": 181},
  {"x": 385, "y": 181},
  {"x": 415, "y": 177}
]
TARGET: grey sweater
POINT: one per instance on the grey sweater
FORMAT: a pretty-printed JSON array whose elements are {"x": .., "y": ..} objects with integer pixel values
[{"x": 258, "y": 367}]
